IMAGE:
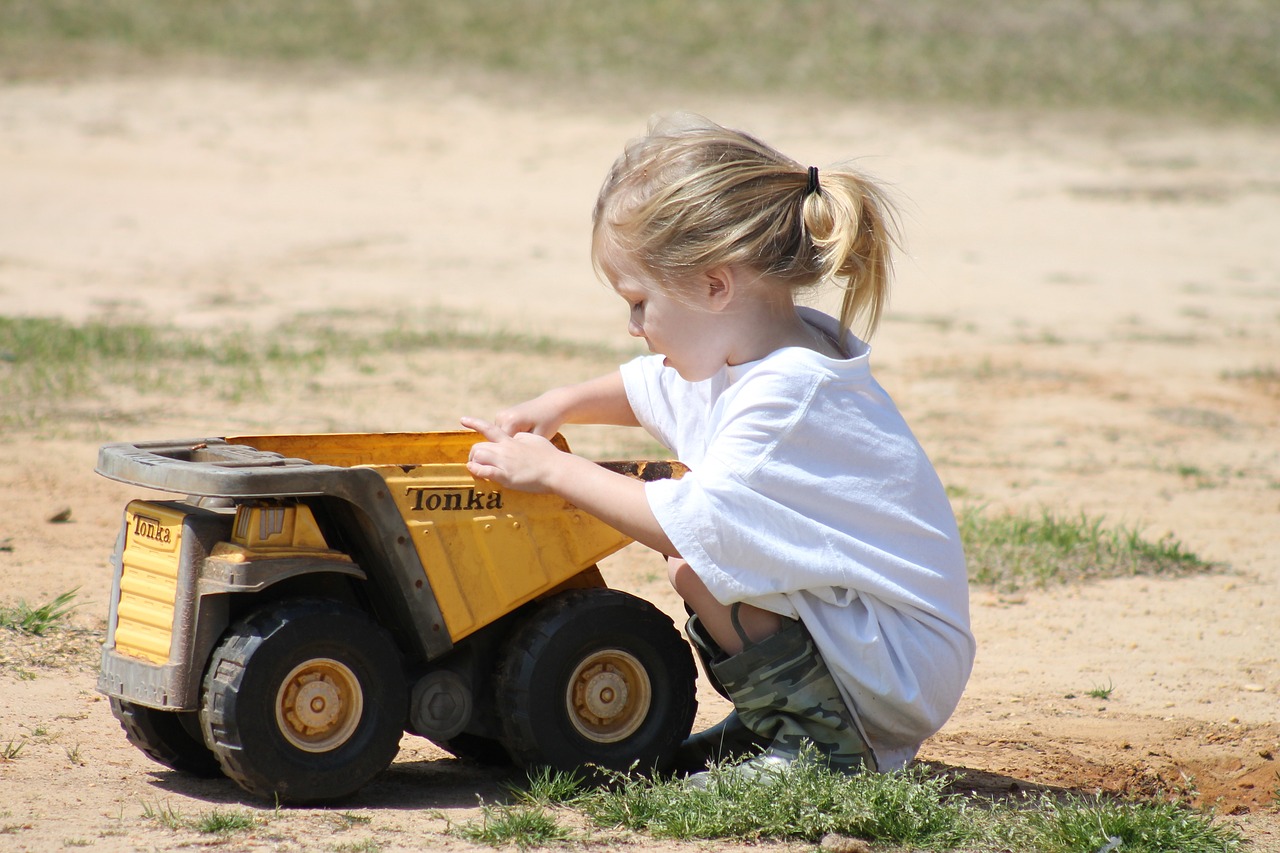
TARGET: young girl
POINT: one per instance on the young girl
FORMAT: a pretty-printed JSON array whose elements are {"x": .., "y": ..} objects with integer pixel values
[{"x": 811, "y": 539}]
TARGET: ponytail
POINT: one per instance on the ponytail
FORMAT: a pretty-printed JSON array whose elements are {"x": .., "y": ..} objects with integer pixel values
[{"x": 852, "y": 227}]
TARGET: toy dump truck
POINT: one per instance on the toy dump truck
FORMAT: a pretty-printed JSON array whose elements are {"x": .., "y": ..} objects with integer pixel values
[{"x": 312, "y": 597}]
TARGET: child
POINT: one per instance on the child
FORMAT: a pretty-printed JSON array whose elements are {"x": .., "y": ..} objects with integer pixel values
[{"x": 811, "y": 540}]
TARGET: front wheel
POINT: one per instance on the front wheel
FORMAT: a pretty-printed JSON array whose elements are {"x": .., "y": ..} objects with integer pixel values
[
  {"x": 171, "y": 738},
  {"x": 597, "y": 678},
  {"x": 304, "y": 701}
]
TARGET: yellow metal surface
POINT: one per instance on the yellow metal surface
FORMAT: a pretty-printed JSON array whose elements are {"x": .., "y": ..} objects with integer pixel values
[
  {"x": 346, "y": 450},
  {"x": 488, "y": 550},
  {"x": 264, "y": 531},
  {"x": 485, "y": 550},
  {"x": 148, "y": 581}
]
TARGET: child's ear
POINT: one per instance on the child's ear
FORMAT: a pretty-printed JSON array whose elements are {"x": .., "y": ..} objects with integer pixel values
[{"x": 721, "y": 286}]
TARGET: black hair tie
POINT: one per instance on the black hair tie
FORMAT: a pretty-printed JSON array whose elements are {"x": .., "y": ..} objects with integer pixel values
[{"x": 813, "y": 182}]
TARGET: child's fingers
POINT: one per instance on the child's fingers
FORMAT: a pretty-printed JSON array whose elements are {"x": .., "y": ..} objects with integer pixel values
[{"x": 490, "y": 431}]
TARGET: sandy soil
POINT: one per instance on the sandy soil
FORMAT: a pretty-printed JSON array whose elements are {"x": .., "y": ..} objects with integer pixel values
[{"x": 1087, "y": 318}]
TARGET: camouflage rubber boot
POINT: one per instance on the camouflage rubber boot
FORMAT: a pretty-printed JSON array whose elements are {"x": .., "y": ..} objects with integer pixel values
[
  {"x": 782, "y": 690},
  {"x": 709, "y": 651},
  {"x": 727, "y": 740}
]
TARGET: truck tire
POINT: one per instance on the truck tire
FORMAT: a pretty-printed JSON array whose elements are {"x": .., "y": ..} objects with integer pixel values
[
  {"x": 596, "y": 677},
  {"x": 304, "y": 701},
  {"x": 170, "y": 738}
]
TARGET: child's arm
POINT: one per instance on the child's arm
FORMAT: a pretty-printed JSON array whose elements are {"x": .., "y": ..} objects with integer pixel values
[
  {"x": 531, "y": 463},
  {"x": 602, "y": 400}
]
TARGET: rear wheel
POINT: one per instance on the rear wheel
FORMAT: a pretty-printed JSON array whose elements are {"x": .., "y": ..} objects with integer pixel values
[
  {"x": 304, "y": 701},
  {"x": 171, "y": 738},
  {"x": 596, "y": 677}
]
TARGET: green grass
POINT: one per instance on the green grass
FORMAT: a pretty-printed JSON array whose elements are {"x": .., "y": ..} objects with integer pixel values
[
  {"x": 49, "y": 365},
  {"x": 219, "y": 822},
  {"x": 1090, "y": 824},
  {"x": 37, "y": 620},
  {"x": 521, "y": 826},
  {"x": 1012, "y": 551},
  {"x": 1101, "y": 692},
  {"x": 165, "y": 814},
  {"x": 1211, "y": 57},
  {"x": 912, "y": 809},
  {"x": 216, "y": 822}
]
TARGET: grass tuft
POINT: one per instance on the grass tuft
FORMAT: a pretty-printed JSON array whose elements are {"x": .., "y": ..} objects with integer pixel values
[
  {"x": 1012, "y": 551},
  {"x": 1101, "y": 692},
  {"x": 1092, "y": 824},
  {"x": 164, "y": 814},
  {"x": 218, "y": 822},
  {"x": 37, "y": 620},
  {"x": 522, "y": 826}
]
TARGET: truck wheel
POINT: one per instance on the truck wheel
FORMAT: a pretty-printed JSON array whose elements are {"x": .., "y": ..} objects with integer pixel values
[
  {"x": 171, "y": 738},
  {"x": 596, "y": 677},
  {"x": 304, "y": 701}
]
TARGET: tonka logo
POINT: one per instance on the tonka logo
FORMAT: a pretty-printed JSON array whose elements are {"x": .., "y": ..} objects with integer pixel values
[
  {"x": 151, "y": 528},
  {"x": 434, "y": 500}
]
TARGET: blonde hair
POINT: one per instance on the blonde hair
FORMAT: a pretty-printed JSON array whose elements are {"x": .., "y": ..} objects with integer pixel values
[{"x": 684, "y": 200}]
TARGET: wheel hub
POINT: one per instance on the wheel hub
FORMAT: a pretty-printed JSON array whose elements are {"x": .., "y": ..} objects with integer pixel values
[
  {"x": 319, "y": 705},
  {"x": 608, "y": 696}
]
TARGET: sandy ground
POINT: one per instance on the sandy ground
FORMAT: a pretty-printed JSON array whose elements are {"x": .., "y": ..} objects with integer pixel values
[{"x": 1087, "y": 318}]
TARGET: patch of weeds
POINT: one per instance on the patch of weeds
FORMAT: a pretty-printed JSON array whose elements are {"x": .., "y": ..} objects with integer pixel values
[
  {"x": 1199, "y": 477},
  {"x": 1094, "y": 824},
  {"x": 1011, "y": 551},
  {"x": 1265, "y": 377},
  {"x": 74, "y": 756},
  {"x": 804, "y": 802},
  {"x": 37, "y": 620},
  {"x": 522, "y": 826},
  {"x": 76, "y": 842},
  {"x": 165, "y": 815},
  {"x": 218, "y": 822},
  {"x": 368, "y": 845},
  {"x": 547, "y": 787},
  {"x": 52, "y": 367},
  {"x": 12, "y": 750},
  {"x": 1101, "y": 692}
]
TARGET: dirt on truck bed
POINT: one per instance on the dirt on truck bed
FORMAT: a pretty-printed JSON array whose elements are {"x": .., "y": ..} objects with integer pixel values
[{"x": 1086, "y": 319}]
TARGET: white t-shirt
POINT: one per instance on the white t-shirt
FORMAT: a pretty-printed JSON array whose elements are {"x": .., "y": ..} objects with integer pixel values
[{"x": 808, "y": 496}]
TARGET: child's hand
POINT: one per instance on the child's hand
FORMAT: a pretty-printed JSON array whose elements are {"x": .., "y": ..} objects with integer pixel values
[
  {"x": 540, "y": 416},
  {"x": 524, "y": 461}
]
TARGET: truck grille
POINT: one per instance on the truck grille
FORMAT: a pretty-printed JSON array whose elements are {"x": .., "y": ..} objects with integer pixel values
[{"x": 148, "y": 581}]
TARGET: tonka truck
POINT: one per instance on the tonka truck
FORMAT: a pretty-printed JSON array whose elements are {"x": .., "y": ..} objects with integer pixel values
[{"x": 310, "y": 598}]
